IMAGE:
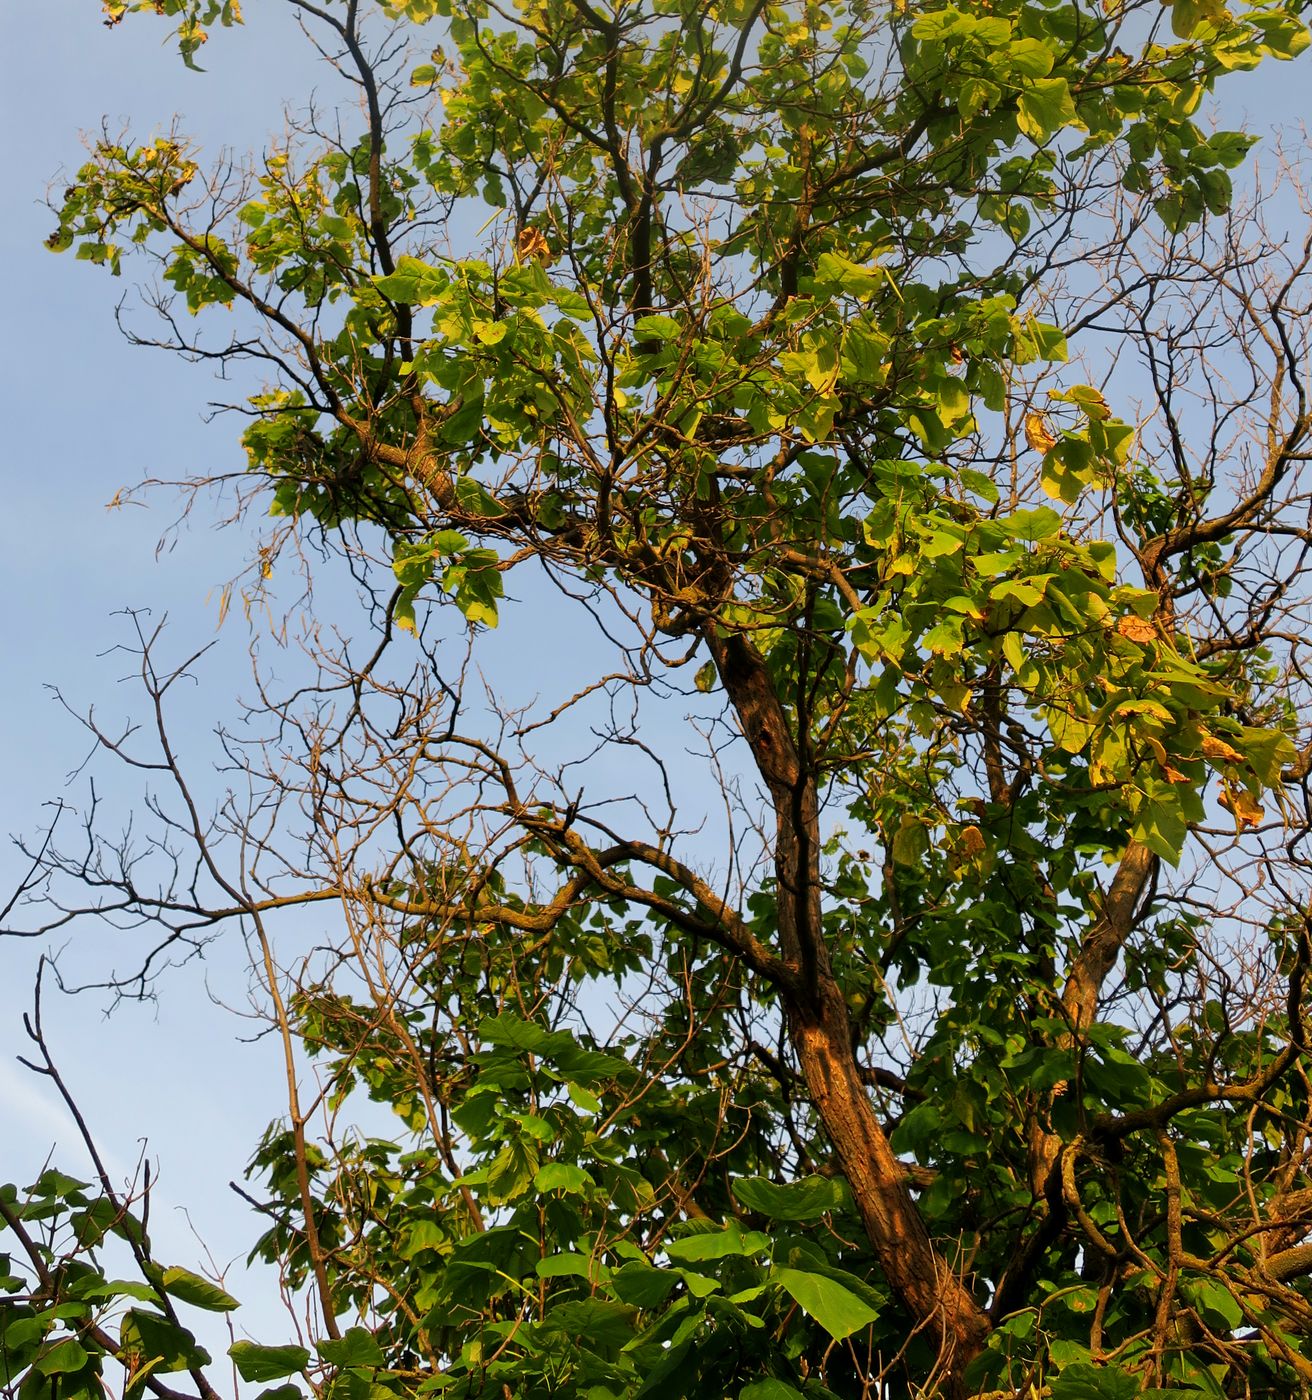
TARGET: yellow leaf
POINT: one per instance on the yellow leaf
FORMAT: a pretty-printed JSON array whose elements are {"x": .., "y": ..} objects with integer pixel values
[
  {"x": 1219, "y": 751},
  {"x": 1241, "y": 806},
  {"x": 1159, "y": 750},
  {"x": 532, "y": 244},
  {"x": 1038, "y": 433}
]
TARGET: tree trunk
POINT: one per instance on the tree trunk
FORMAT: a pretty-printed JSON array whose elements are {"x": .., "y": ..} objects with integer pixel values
[{"x": 821, "y": 1033}]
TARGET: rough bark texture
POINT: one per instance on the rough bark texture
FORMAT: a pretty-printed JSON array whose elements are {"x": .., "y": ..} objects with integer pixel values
[
  {"x": 916, "y": 1271},
  {"x": 1106, "y": 937},
  {"x": 1099, "y": 949},
  {"x": 821, "y": 1033}
]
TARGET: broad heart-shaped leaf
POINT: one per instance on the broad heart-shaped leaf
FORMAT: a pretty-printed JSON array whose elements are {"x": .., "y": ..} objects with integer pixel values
[
  {"x": 1160, "y": 821},
  {"x": 119, "y": 1288},
  {"x": 511, "y": 1171},
  {"x": 1217, "y": 1305},
  {"x": 565, "y": 1266},
  {"x": 642, "y": 1285},
  {"x": 606, "y": 1324},
  {"x": 587, "y": 1067},
  {"x": 61, "y": 1357},
  {"x": 717, "y": 1244},
  {"x": 152, "y": 1337},
  {"x": 52, "y": 1184},
  {"x": 656, "y": 328},
  {"x": 199, "y": 1292},
  {"x": 1083, "y": 1381},
  {"x": 1185, "y": 17},
  {"x": 257, "y": 1363},
  {"x": 838, "y": 1310},
  {"x": 1043, "y": 108},
  {"x": 562, "y": 1176},
  {"x": 807, "y": 1199},
  {"x": 857, "y": 279},
  {"x": 414, "y": 282},
  {"x": 356, "y": 1347},
  {"x": 1033, "y": 525},
  {"x": 1267, "y": 752},
  {"x": 769, "y": 1390}
]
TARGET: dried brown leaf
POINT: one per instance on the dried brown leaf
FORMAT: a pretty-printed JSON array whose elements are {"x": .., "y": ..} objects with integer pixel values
[
  {"x": 1136, "y": 629},
  {"x": 1241, "y": 806},
  {"x": 533, "y": 244}
]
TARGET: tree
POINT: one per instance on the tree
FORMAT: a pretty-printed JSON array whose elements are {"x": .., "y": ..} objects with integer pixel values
[{"x": 895, "y": 388}]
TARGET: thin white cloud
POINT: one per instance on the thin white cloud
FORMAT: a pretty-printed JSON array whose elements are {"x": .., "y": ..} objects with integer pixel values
[{"x": 39, "y": 1126}]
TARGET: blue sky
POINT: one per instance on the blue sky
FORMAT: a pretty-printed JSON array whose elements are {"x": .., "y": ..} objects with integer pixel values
[
  {"x": 94, "y": 415},
  {"x": 88, "y": 415}
]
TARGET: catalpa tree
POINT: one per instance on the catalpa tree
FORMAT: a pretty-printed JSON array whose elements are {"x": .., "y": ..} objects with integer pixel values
[{"x": 900, "y": 391}]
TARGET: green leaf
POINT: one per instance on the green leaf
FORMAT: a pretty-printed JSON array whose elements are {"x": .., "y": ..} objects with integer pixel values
[
  {"x": 52, "y": 1184},
  {"x": 1084, "y": 1381},
  {"x": 1034, "y": 526},
  {"x": 1043, "y": 108},
  {"x": 1186, "y": 16},
  {"x": 809, "y": 1198},
  {"x": 154, "y": 1337},
  {"x": 769, "y": 1389},
  {"x": 357, "y": 1346},
  {"x": 562, "y": 1176},
  {"x": 583, "y": 1098},
  {"x": 1059, "y": 479},
  {"x": 510, "y": 1173},
  {"x": 260, "y": 1363},
  {"x": 976, "y": 95},
  {"x": 120, "y": 1288},
  {"x": 1030, "y": 58},
  {"x": 839, "y": 1311},
  {"x": 1071, "y": 731},
  {"x": 940, "y": 542},
  {"x": 1268, "y": 751},
  {"x": 979, "y": 484},
  {"x": 843, "y": 275},
  {"x": 642, "y": 1285},
  {"x": 717, "y": 1244},
  {"x": 1160, "y": 822},
  {"x": 61, "y": 1357},
  {"x": 1026, "y": 594},
  {"x": 945, "y": 638},
  {"x": 475, "y": 498},
  {"x": 199, "y": 1292},
  {"x": 597, "y": 1320},
  {"x": 565, "y": 1266},
  {"x": 910, "y": 842},
  {"x": 413, "y": 282},
  {"x": 1045, "y": 342},
  {"x": 1218, "y": 1305},
  {"x": 656, "y": 328}
]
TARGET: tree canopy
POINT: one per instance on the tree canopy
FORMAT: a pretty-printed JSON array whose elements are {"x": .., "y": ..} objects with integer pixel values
[{"x": 902, "y": 392}]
